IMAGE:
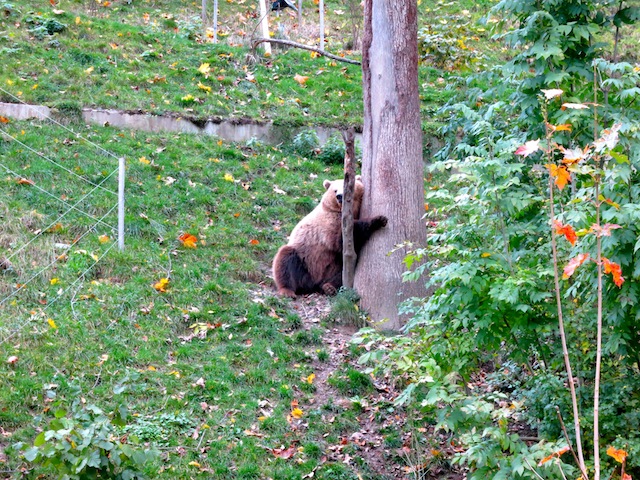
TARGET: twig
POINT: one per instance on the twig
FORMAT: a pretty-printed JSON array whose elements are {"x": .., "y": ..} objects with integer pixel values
[
  {"x": 566, "y": 435},
  {"x": 532, "y": 469},
  {"x": 557, "y": 462},
  {"x": 305, "y": 47}
]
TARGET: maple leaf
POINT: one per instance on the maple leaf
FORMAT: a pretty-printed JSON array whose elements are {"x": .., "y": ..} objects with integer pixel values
[
  {"x": 556, "y": 454},
  {"x": 188, "y": 240},
  {"x": 301, "y": 79},
  {"x": 4, "y": 119},
  {"x": 297, "y": 413},
  {"x": 575, "y": 155},
  {"x": 618, "y": 455},
  {"x": 609, "y": 138},
  {"x": 626, "y": 476},
  {"x": 574, "y": 263},
  {"x": 560, "y": 173},
  {"x": 616, "y": 272},
  {"x": 528, "y": 148},
  {"x": 552, "y": 93},
  {"x": 574, "y": 106},
  {"x": 604, "y": 230},
  {"x": 566, "y": 230},
  {"x": 204, "y": 69},
  {"x": 161, "y": 285}
]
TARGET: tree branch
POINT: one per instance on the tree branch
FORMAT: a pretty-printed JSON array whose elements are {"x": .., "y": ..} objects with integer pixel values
[
  {"x": 348, "y": 246},
  {"x": 304, "y": 47}
]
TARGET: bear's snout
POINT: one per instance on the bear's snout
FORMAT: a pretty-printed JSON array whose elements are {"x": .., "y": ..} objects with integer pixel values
[{"x": 339, "y": 198}]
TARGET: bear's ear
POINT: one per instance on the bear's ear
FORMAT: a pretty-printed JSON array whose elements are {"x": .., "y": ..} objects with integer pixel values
[
  {"x": 358, "y": 178},
  {"x": 326, "y": 184}
]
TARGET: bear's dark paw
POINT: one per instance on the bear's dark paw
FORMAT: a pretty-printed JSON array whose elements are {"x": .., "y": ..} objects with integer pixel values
[
  {"x": 379, "y": 221},
  {"x": 329, "y": 289}
]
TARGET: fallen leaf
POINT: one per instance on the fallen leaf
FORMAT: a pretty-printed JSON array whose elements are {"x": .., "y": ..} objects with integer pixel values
[
  {"x": 51, "y": 323},
  {"x": 301, "y": 79},
  {"x": 161, "y": 285},
  {"x": 297, "y": 413},
  {"x": 12, "y": 360},
  {"x": 188, "y": 240}
]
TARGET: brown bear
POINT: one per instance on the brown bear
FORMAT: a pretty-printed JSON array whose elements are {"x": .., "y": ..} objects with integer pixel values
[{"x": 312, "y": 260}]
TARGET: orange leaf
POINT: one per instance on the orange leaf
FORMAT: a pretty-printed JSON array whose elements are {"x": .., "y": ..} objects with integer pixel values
[
  {"x": 574, "y": 263},
  {"x": 4, "y": 119},
  {"x": 565, "y": 127},
  {"x": 566, "y": 230},
  {"x": 556, "y": 454},
  {"x": 626, "y": 476},
  {"x": 618, "y": 455},
  {"x": 560, "y": 173},
  {"x": 528, "y": 148},
  {"x": 25, "y": 181},
  {"x": 616, "y": 272},
  {"x": 188, "y": 240},
  {"x": 301, "y": 79},
  {"x": 253, "y": 241}
]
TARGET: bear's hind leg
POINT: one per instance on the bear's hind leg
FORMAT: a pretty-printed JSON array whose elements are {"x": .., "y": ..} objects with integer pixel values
[{"x": 291, "y": 274}]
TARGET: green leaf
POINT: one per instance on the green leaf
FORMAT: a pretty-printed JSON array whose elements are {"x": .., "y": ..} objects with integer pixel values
[
  {"x": 60, "y": 413},
  {"x": 40, "y": 440},
  {"x": 31, "y": 454}
]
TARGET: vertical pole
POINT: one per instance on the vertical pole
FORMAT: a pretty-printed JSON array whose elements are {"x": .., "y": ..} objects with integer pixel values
[
  {"x": 203, "y": 15},
  {"x": 265, "y": 26},
  {"x": 121, "y": 174},
  {"x": 321, "y": 8},
  {"x": 215, "y": 21}
]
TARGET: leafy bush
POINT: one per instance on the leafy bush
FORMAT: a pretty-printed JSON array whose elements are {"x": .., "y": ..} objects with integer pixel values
[
  {"x": 42, "y": 27},
  {"x": 85, "y": 444},
  {"x": 306, "y": 143}
]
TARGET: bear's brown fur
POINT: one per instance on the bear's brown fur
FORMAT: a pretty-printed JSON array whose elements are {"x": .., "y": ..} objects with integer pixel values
[{"x": 312, "y": 260}]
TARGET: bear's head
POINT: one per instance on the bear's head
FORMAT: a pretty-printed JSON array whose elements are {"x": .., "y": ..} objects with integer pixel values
[{"x": 332, "y": 198}]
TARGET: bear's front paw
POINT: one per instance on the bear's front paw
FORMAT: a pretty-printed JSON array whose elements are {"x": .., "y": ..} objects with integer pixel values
[
  {"x": 380, "y": 221},
  {"x": 329, "y": 289}
]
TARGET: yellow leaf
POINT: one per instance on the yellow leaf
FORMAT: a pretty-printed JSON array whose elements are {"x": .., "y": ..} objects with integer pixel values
[
  {"x": 103, "y": 238},
  {"x": 161, "y": 285},
  {"x": 301, "y": 79},
  {"x": 485, "y": 255},
  {"x": 204, "y": 87},
  {"x": 194, "y": 464},
  {"x": 53, "y": 281},
  {"x": 78, "y": 21},
  {"x": 310, "y": 378},
  {"x": 51, "y": 323},
  {"x": 88, "y": 70},
  {"x": 145, "y": 160},
  {"x": 204, "y": 69},
  {"x": 228, "y": 177},
  {"x": 297, "y": 413}
]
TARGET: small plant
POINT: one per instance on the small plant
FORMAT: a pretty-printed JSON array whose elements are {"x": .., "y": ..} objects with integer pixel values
[
  {"x": 42, "y": 27},
  {"x": 306, "y": 143},
  {"x": 85, "y": 443},
  {"x": 344, "y": 308},
  {"x": 332, "y": 152}
]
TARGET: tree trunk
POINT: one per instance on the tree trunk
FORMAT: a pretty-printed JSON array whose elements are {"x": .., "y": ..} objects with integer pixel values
[
  {"x": 348, "y": 247},
  {"x": 392, "y": 157}
]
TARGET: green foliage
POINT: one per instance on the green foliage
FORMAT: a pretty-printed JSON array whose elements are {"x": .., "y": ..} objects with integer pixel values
[
  {"x": 448, "y": 42},
  {"x": 42, "y": 27},
  {"x": 85, "y": 443},
  {"x": 332, "y": 152},
  {"x": 306, "y": 143}
]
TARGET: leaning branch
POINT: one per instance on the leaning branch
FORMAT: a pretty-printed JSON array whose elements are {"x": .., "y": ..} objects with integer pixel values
[{"x": 305, "y": 47}]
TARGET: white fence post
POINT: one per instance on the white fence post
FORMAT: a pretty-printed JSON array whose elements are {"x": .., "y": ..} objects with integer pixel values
[{"x": 121, "y": 175}]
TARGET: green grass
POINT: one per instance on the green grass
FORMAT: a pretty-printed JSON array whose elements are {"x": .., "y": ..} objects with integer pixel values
[{"x": 115, "y": 333}]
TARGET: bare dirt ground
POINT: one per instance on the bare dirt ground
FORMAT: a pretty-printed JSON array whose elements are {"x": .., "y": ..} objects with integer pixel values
[{"x": 411, "y": 460}]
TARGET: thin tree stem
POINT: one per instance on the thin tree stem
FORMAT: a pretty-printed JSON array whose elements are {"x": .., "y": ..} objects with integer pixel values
[
  {"x": 596, "y": 387},
  {"x": 563, "y": 338}
]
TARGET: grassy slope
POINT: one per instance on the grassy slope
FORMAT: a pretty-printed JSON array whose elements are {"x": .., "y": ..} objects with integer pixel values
[{"x": 113, "y": 330}]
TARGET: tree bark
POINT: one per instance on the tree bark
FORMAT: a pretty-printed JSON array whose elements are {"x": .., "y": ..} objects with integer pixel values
[
  {"x": 348, "y": 247},
  {"x": 392, "y": 157}
]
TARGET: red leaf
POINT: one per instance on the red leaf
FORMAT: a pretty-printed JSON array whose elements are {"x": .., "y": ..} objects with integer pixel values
[
  {"x": 528, "y": 148},
  {"x": 615, "y": 270},
  {"x": 574, "y": 263},
  {"x": 282, "y": 453},
  {"x": 566, "y": 230}
]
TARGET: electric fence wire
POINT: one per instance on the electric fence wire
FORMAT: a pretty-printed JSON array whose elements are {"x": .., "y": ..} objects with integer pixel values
[
  {"x": 19, "y": 327},
  {"x": 46, "y": 267}
]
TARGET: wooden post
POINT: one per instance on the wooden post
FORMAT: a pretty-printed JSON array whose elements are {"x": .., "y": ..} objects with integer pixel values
[
  {"x": 264, "y": 23},
  {"x": 348, "y": 248}
]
